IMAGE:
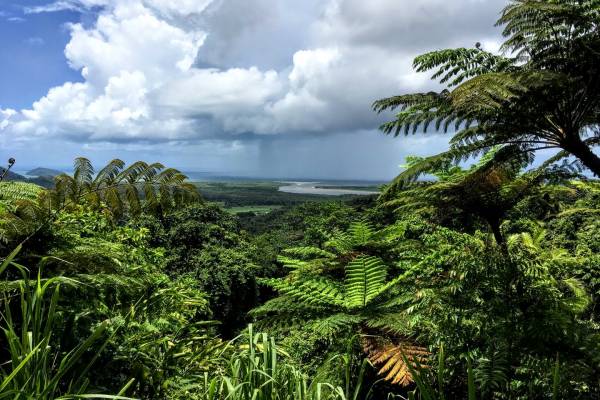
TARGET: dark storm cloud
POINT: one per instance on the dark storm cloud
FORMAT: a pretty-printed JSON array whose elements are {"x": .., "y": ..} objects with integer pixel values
[{"x": 412, "y": 26}]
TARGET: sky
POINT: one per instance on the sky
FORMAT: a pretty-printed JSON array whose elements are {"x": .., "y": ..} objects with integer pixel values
[{"x": 270, "y": 88}]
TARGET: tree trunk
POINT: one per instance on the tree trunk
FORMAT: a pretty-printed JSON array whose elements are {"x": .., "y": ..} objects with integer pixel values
[
  {"x": 494, "y": 224},
  {"x": 584, "y": 153}
]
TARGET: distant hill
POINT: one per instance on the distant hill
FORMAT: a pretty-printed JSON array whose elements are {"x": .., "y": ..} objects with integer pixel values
[
  {"x": 44, "y": 181},
  {"x": 11, "y": 176},
  {"x": 44, "y": 172}
]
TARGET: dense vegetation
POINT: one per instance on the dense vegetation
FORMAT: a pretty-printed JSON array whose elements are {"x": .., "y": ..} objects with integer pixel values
[{"x": 481, "y": 280}]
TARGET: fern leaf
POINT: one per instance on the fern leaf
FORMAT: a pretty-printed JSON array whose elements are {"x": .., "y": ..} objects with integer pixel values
[
  {"x": 364, "y": 277},
  {"x": 392, "y": 358}
]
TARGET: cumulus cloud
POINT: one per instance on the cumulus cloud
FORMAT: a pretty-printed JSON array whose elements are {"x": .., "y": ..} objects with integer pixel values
[
  {"x": 165, "y": 70},
  {"x": 5, "y": 116}
]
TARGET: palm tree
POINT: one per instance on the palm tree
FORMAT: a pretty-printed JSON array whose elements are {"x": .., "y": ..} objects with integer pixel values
[
  {"x": 545, "y": 95},
  {"x": 140, "y": 187}
]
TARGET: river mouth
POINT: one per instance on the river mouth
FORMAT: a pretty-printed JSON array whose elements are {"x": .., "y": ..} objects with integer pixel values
[{"x": 314, "y": 188}]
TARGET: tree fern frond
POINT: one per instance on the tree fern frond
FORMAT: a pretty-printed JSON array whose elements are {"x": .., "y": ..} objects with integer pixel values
[
  {"x": 364, "y": 278},
  {"x": 314, "y": 292},
  {"x": 284, "y": 303},
  {"x": 578, "y": 299},
  {"x": 393, "y": 359},
  {"x": 108, "y": 174},
  {"x": 309, "y": 252},
  {"x": 83, "y": 171},
  {"x": 456, "y": 65},
  {"x": 12, "y": 191},
  {"x": 334, "y": 324},
  {"x": 358, "y": 234}
]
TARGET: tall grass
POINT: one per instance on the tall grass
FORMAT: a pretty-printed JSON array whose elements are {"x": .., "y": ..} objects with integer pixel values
[
  {"x": 257, "y": 371},
  {"x": 426, "y": 390},
  {"x": 37, "y": 367}
]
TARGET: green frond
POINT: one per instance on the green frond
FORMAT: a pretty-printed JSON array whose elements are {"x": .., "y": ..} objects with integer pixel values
[
  {"x": 433, "y": 165},
  {"x": 534, "y": 24},
  {"x": 108, "y": 175},
  {"x": 457, "y": 65},
  {"x": 132, "y": 173},
  {"x": 364, "y": 278},
  {"x": 83, "y": 171},
  {"x": 133, "y": 199},
  {"x": 359, "y": 233},
  {"x": 578, "y": 299},
  {"x": 133, "y": 189},
  {"x": 151, "y": 171},
  {"x": 281, "y": 304},
  {"x": 417, "y": 111},
  {"x": 313, "y": 292},
  {"x": 20, "y": 209},
  {"x": 333, "y": 324},
  {"x": 12, "y": 191},
  {"x": 308, "y": 252},
  {"x": 392, "y": 322}
]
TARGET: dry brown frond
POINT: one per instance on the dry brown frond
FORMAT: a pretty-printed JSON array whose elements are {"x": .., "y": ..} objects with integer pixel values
[{"x": 391, "y": 357}]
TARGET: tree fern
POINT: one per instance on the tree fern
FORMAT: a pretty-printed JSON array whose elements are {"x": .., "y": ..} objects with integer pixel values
[
  {"x": 134, "y": 189},
  {"x": 546, "y": 96}
]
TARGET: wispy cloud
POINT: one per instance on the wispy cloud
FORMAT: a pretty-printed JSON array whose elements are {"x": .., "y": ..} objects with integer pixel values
[
  {"x": 63, "y": 5},
  {"x": 35, "y": 41},
  {"x": 10, "y": 17}
]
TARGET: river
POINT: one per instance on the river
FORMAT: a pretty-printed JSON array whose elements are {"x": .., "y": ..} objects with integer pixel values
[{"x": 312, "y": 188}]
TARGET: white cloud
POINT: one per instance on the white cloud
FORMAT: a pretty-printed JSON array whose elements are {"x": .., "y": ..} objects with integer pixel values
[
  {"x": 5, "y": 116},
  {"x": 62, "y": 5},
  {"x": 129, "y": 52},
  {"x": 141, "y": 82},
  {"x": 181, "y": 7},
  {"x": 132, "y": 39}
]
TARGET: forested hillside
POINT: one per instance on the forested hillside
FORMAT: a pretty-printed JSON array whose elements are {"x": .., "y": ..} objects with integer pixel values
[{"x": 474, "y": 275}]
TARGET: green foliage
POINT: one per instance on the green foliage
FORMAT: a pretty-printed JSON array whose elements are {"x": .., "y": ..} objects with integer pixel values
[
  {"x": 404, "y": 298},
  {"x": 205, "y": 244},
  {"x": 327, "y": 305},
  {"x": 14, "y": 191},
  {"x": 38, "y": 368},
  {"x": 259, "y": 369},
  {"x": 489, "y": 191},
  {"x": 161, "y": 332},
  {"x": 18, "y": 209}
]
